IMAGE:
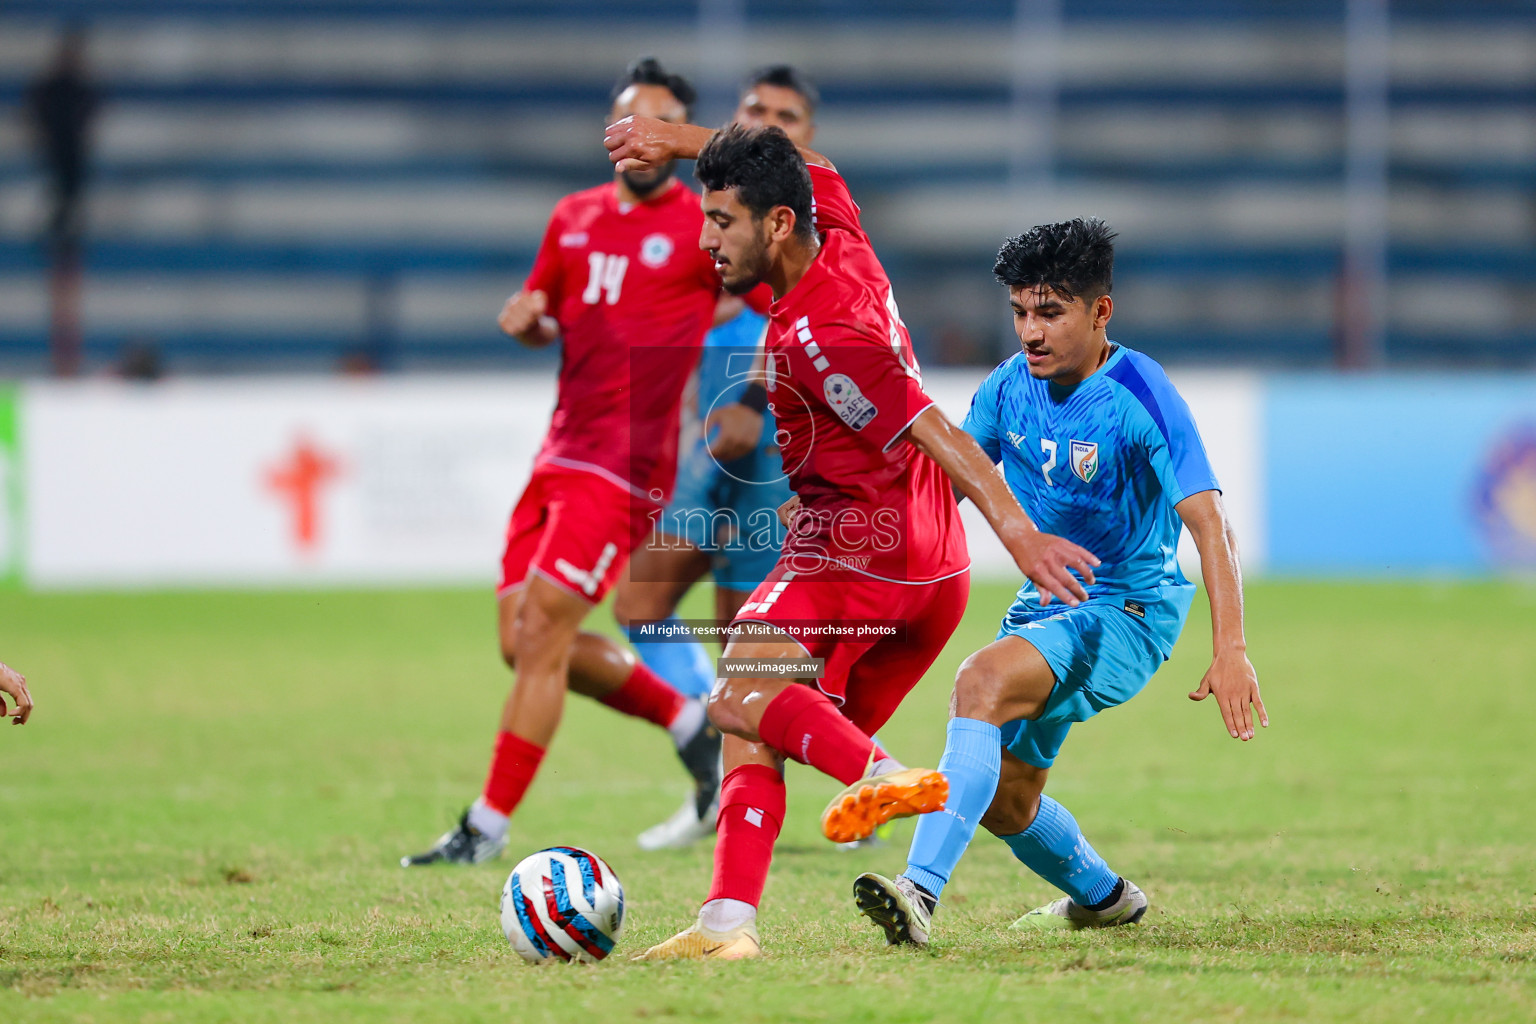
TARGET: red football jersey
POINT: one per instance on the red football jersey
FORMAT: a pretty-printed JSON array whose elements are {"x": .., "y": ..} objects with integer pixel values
[
  {"x": 844, "y": 385},
  {"x": 633, "y": 294}
]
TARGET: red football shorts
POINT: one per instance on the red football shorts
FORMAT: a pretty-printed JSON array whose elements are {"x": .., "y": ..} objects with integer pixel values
[
  {"x": 574, "y": 528},
  {"x": 841, "y": 615}
]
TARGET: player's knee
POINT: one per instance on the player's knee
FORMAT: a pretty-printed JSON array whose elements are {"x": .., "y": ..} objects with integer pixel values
[
  {"x": 509, "y": 634},
  {"x": 980, "y": 690},
  {"x": 727, "y": 714},
  {"x": 535, "y": 630}
]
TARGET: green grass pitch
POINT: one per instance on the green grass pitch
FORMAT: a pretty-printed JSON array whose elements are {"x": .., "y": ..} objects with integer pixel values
[{"x": 203, "y": 819}]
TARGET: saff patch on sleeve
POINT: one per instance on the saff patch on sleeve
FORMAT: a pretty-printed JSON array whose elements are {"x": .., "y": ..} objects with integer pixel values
[
  {"x": 1085, "y": 460},
  {"x": 845, "y": 398}
]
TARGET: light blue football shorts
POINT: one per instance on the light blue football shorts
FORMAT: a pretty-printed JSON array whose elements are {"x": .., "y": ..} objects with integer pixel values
[{"x": 1101, "y": 655}]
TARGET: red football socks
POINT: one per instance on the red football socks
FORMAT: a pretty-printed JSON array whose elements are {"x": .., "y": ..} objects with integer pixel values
[
  {"x": 646, "y": 695},
  {"x": 512, "y": 769},
  {"x": 801, "y": 723},
  {"x": 751, "y": 812}
]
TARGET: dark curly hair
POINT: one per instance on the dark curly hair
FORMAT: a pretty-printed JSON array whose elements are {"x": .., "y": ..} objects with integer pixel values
[
  {"x": 764, "y": 168},
  {"x": 648, "y": 71},
  {"x": 1072, "y": 258}
]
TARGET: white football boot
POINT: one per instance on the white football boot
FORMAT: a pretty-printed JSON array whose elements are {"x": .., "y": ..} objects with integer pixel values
[
  {"x": 684, "y": 828},
  {"x": 1064, "y": 913},
  {"x": 896, "y": 906}
]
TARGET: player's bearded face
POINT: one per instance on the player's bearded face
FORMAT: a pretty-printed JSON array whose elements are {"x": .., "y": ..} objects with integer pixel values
[
  {"x": 749, "y": 265},
  {"x": 737, "y": 240},
  {"x": 643, "y": 183}
]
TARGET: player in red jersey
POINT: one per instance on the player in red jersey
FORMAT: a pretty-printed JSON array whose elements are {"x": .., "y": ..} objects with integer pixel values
[
  {"x": 721, "y": 519},
  {"x": 620, "y": 278},
  {"x": 876, "y": 543}
]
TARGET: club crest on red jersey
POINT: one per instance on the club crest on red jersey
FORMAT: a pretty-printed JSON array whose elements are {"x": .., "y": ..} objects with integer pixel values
[
  {"x": 845, "y": 398},
  {"x": 1085, "y": 460},
  {"x": 655, "y": 250}
]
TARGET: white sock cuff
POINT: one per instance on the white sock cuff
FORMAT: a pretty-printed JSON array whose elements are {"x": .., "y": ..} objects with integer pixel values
[
  {"x": 687, "y": 722},
  {"x": 725, "y": 915},
  {"x": 489, "y": 822}
]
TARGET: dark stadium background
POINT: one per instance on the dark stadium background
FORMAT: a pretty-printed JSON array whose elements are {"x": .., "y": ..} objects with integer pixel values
[{"x": 356, "y": 184}]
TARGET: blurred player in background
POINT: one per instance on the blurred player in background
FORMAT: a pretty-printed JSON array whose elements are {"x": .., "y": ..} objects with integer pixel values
[
  {"x": 877, "y": 541},
  {"x": 730, "y": 480},
  {"x": 14, "y": 684},
  {"x": 1099, "y": 447},
  {"x": 621, "y": 280}
]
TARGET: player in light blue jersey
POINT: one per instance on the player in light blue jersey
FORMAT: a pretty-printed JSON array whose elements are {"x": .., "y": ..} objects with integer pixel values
[
  {"x": 722, "y": 519},
  {"x": 1101, "y": 449}
]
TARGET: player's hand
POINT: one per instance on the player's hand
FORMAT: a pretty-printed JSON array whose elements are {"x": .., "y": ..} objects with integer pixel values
[
  {"x": 1235, "y": 685},
  {"x": 522, "y": 318},
  {"x": 639, "y": 143},
  {"x": 736, "y": 431},
  {"x": 1048, "y": 561},
  {"x": 15, "y": 684},
  {"x": 788, "y": 509}
]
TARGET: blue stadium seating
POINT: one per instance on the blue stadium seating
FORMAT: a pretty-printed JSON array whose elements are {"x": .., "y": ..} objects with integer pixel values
[{"x": 379, "y": 152}]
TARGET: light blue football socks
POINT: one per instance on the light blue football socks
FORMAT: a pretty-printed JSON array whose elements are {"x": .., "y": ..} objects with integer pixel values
[
  {"x": 684, "y": 664},
  {"x": 1053, "y": 847},
  {"x": 973, "y": 757}
]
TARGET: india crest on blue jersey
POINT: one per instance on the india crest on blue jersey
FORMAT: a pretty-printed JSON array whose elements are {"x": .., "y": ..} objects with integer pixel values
[{"x": 1085, "y": 460}]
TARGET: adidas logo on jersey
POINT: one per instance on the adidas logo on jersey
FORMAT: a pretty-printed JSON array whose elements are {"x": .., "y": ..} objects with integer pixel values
[{"x": 1017, "y": 440}]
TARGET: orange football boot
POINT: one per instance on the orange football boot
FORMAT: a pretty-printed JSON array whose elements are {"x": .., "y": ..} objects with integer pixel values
[{"x": 857, "y": 811}]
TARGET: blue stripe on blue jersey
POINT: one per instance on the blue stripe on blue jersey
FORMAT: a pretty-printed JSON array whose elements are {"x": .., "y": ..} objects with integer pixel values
[{"x": 1153, "y": 390}]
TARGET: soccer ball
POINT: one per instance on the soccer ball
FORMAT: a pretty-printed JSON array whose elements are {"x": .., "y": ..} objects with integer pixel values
[{"x": 562, "y": 903}]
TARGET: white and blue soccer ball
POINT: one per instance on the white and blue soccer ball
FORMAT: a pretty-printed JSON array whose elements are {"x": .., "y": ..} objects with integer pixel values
[{"x": 563, "y": 903}]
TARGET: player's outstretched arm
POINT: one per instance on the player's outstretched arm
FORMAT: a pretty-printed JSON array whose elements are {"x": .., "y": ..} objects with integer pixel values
[
  {"x": 1048, "y": 560},
  {"x": 640, "y": 143},
  {"x": 14, "y": 684},
  {"x": 523, "y": 318},
  {"x": 1231, "y": 678}
]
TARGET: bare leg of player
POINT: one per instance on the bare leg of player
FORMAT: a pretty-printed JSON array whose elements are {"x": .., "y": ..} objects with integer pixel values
[
  {"x": 654, "y": 582},
  {"x": 541, "y": 639},
  {"x": 766, "y": 719},
  {"x": 656, "y": 579}
]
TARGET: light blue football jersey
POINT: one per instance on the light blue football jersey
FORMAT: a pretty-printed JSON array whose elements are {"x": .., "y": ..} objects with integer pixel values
[
  {"x": 1102, "y": 464},
  {"x": 725, "y": 364}
]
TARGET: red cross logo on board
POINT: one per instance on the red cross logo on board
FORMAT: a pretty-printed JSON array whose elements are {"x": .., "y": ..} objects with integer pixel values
[{"x": 297, "y": 481}]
